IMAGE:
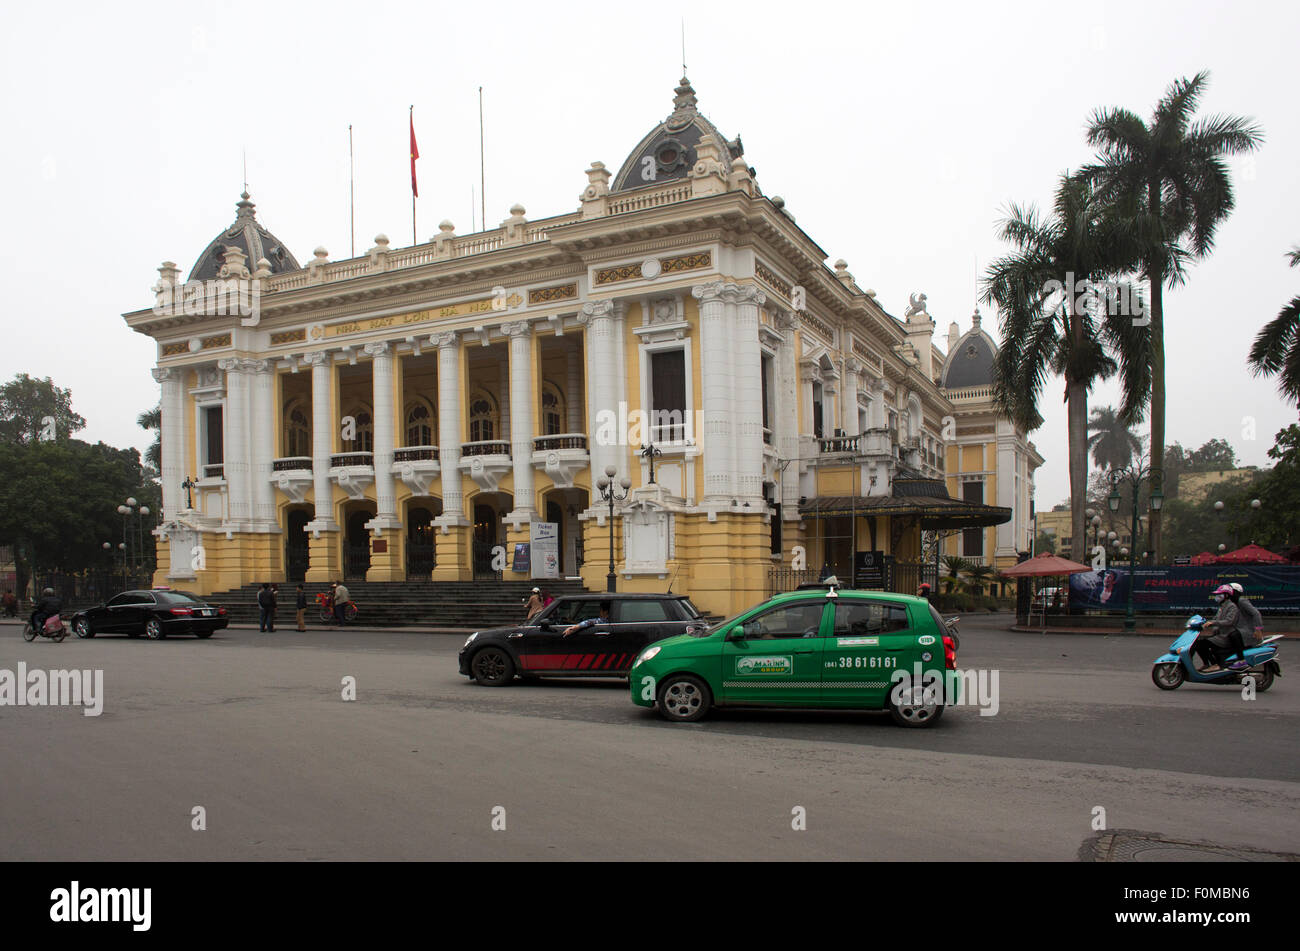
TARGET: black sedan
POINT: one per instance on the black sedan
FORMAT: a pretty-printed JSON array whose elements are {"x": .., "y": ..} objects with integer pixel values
[
  {"x": 538, "y": 648},
  {"x": 155, "y": 613}
]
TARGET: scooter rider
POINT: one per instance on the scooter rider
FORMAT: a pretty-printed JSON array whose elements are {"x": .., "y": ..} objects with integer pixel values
[
  {"x": 1226, "y": 638},
  {"x": 1252, "y": 622},
  {"x": 46, "y": 608}
]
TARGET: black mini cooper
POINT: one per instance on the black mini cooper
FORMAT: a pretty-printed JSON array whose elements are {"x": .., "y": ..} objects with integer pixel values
[
  {"x": 155, "y": 613},
  {"x": 539, "y": 647}
]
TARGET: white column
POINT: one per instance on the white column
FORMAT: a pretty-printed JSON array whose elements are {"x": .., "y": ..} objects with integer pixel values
[
  {"x": 747, "y": 433},
  {"x": 716, "y": 373},
  {"x": 522, "y": 389},
  {"x": 597, "y": 315},
  {"x": 171, "y": 431},
  {"x": 849, "y": 398},
  {"x": 1005, "y": 536},
  {"x": 503, "y": 397},
  {"x": 263, "y": 420},
  {"x": 573, "y": 409},
  {"x": 382, "y": 382},
  {"x": 236, "y": 443},
  {"x": 449, "y": 418},
  {"x": 322, "y": 439},
  {"x": 787, "y": 414}
]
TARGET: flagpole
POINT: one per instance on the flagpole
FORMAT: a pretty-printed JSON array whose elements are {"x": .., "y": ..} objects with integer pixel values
[
  {"x": 414, "y": 240},
  {"x": 352, "y": 194},
  {"x": 482, "y": 174}
]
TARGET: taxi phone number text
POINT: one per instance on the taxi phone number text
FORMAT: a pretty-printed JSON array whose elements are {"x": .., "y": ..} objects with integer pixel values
[{"x": 840, "y": 662}]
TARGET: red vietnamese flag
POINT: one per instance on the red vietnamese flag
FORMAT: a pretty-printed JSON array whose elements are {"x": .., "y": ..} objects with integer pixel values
[{"x": 415, "y": 154}]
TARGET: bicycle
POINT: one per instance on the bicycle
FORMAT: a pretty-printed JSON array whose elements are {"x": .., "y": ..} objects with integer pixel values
[{"x": 326, "y": 603}]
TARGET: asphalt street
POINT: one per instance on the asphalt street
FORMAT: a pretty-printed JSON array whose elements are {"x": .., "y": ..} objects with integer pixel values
[{"x": 253, "y": 729}]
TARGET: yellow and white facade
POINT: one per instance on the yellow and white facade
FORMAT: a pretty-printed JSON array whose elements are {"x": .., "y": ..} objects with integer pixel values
[{"x": 406, "y": 414}]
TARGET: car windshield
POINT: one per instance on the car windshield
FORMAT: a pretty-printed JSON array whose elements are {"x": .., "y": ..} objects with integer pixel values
[{"x": 691, "y": 609}]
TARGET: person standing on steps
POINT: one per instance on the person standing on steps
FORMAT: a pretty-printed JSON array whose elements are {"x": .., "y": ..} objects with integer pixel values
[
  {"x": 265, "y": 605},
  {"x": 301, "y": 606}
]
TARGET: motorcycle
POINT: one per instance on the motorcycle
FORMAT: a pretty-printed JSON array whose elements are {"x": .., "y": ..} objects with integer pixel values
[
  {"x": 327, "y": 609},
  {"x": 52, "y": 628},
  {"x": 1171, "y": 670}
]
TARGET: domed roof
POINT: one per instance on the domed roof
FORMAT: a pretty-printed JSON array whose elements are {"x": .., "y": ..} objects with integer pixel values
[
  {"x": 970, "y": 362},
  {"x": 249, "y": 236},
  {"x": 667, "y": 151}
]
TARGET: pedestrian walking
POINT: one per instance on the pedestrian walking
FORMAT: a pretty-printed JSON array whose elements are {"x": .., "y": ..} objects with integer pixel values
[
  {"x": 264, "y": 607},
  {"x": 340, "y": 601},
  {"x": 302, "y": 609},
  {"x": 10, "y": 603}
]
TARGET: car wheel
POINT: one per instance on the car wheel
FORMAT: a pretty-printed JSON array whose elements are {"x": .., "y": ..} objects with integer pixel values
[
  {"x": 911, "y": 710},
  {"x": 1168, "y": 676},
  {"x": 202, "y": 634},
  {"x": 29, "y": 632},
  {"x": 153, "y": 629},
  {"x": 82, "y": 627},
  {"x": 492, "y": 667},
  {"x": 684, "y": 698}
]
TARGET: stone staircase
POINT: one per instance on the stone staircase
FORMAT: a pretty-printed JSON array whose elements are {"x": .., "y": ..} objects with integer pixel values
[{"x": 467, "y": 604}]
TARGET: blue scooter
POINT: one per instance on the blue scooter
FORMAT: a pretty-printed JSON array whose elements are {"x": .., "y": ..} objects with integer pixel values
[{"x": 1171, "y": 669}]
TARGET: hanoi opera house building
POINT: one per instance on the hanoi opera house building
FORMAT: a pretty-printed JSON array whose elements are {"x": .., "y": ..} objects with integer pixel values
[{"x": 401, "y": 415}]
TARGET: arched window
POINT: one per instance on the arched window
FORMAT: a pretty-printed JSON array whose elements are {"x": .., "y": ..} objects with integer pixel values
[
  {"x": 362, "y": 431},
  {"x": 297, "y": 431},
  {"x": 419, "y": 424},
  {"x": 482, "y": 417},
  {"x": 552, "y": 410}
]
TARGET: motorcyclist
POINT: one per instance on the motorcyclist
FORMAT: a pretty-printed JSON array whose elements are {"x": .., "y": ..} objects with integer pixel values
[
  {"x": 46, "y": 608},
  {"x": 1221, "y": 637},
  {"x": 1252, "y": 622}
]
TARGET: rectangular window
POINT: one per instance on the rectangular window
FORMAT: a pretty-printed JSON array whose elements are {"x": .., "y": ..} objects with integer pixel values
[
  {"x": 668, "y": 396},
  {"x": 767, "y": 398},
  {"x": 972, "y": 539},
  {"x": 817, "y": 410},
  {"x": 215, "y": 436}
]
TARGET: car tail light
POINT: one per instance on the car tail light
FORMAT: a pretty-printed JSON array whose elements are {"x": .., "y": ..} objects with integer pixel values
[
  {"x": 182, "y": 611},
  {"x": 221, "y": 610},
  {"x": 949, "y": 654}
]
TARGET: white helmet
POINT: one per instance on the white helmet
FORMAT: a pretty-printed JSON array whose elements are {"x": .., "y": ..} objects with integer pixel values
[{"x": 1237, "y": 588}]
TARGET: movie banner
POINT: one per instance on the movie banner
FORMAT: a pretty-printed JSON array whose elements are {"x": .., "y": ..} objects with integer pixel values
[{"x": 1273, "y": 589}]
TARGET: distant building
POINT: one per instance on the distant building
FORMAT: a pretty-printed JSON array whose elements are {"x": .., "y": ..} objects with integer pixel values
[{"x": 1195, "y": 487}]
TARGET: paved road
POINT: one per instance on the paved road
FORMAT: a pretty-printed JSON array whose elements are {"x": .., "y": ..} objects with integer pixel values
[{"x": 253, "y": 729}]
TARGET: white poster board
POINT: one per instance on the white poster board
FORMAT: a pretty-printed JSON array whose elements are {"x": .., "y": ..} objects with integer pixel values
[{"x": 545, "y": 549}]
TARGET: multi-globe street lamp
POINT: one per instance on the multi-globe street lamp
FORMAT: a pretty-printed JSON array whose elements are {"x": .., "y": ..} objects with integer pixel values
[
  {"x": 605, "y": 484},
  {"x": 1134, "y": 475}
]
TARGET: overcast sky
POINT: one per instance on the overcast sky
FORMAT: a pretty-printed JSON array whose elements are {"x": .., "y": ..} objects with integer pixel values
[{"x": 897, "y": 133}]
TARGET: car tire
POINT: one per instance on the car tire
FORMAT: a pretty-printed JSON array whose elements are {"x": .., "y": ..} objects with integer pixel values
[
  {"x": 82, "y": 628},
  {"x": 153, "y": 629},
  {"x": 1168, "y": 676},
  {"x": 492, "y": 667},
  {"x": 29, "y": 632},
  {"x": 684, "y": 698},
  {"x": 915, "y": 715},
  {"x": 202, "y": 634}
]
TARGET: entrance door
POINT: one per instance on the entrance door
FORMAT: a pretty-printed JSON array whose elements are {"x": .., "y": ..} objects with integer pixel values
[
  {"x": 356, "y": 547},
  {"x": 296, "y": 559},
  {"x": 485, "y": 539},
  {"x": 419, "y": 544}
]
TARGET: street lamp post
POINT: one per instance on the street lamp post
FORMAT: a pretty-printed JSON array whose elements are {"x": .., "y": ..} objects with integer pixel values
[
  {"x": 126, "y": 511},
  {"x": 1134, "y": 476},
  {"x": 605, "y": 484}
]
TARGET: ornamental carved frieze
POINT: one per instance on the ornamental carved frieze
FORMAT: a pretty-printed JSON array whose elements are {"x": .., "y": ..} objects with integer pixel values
[
  {"x": 175, "y": 349},
  {"x": 288, "y": 336},
  {"x": 818, "y": 326},
  {"x": 221, "y": 340},
  {"x": 687, "y": 262},
  {"x": 623, "y": 272},
  {"x": 545, "y": 295},
  {"x": 768, "y": 276}
]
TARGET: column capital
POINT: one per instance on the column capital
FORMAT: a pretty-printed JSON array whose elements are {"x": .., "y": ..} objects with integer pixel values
[
  {"x": 517, "y": 328},
  {"x": 317, "y": 358},
  {"x": 260, "y": 367},
  {"x": 165, "y": 374},
  {"x": 377, "y": 349},
  {"x": 444, "y": 341},
  {"x": 593, "y": 309}
]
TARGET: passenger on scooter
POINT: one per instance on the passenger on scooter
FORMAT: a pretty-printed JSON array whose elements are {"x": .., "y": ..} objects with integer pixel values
[
  {"x": 1252, "y": 622},
  {"x": 1215, "y": 648},
  {"x": 46, "y": 608}
]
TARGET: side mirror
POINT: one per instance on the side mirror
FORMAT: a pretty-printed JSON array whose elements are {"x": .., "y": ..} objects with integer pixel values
[
  {"x": 737, "y": 633},
  {"x": 543, "y": 625}
]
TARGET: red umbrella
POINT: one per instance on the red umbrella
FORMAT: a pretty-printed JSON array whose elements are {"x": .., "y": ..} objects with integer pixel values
[
  {"x": 1251, "y": 554},
  {"x": 1204, "y": 558},
  {"x": 1043, "y": 566}
]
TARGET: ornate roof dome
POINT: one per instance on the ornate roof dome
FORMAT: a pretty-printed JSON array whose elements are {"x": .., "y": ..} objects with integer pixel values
[
  {"x": 667, "y": 151},
  {"x": 970, "y": 362},
  {"x": 250, "y": 237}
]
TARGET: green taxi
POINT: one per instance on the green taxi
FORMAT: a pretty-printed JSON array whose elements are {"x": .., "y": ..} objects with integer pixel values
[{"x": 825, "y": 647}]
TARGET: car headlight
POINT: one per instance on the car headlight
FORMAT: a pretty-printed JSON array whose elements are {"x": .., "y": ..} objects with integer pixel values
[
  {"x": 469, "y": 640},
  {"x": 646, "y": 654}
]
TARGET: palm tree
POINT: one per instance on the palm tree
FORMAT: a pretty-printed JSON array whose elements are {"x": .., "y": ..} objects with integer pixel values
[
  {"x": 1046, "y": 331},
  {"x": 1277, "y": 348},
  {"x": 1113, "y": 445},
  {"x": 1166, "y": 179},
  {"x": 955, "y": 564},
  {"x": 980, "y": 576},
  {"x": 152, "y": 420}
]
